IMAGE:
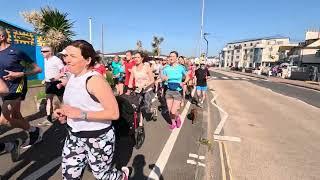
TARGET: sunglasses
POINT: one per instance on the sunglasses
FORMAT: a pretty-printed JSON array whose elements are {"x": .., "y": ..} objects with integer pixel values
[{"x": 44, "y": 51}]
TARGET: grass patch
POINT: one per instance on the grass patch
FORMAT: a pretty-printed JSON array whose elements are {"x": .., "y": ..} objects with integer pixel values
[
  {"x": 41, "y": 95},
  {"x": 32, "y": 83}
]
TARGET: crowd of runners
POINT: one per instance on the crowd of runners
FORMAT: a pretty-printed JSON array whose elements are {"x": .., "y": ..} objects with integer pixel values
[{"x": 88, "y": 103}]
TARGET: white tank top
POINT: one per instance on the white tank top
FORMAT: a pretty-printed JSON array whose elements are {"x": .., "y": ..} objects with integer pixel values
[{"x": 76, "y": 95}]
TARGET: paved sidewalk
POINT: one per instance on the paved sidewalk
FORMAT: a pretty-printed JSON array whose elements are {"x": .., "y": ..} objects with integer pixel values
[{"x": 304, "y": 84}]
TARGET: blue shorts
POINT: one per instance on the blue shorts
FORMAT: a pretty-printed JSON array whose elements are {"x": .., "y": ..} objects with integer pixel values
[{"x": 202, "y": 88}]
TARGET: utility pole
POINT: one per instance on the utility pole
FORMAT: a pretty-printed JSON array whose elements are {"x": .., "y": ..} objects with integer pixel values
[
  {"x": 102, "y": 48},
  {"x": 201, "y": 28},
  {"x": 90, "y": 30}
]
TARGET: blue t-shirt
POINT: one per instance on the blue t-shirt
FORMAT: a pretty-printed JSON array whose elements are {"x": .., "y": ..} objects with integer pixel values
[
  {"x": 174, "y": 74},
  {"x": 12, "y": 59}
]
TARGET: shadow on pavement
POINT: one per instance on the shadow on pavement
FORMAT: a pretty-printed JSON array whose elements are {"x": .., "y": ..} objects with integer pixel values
[
  {"x": 138, "y": 165},
  {"x": 164, "y": 109},
  {"x": 41, "y": 154},
  {"x": 32, "y": 117}
]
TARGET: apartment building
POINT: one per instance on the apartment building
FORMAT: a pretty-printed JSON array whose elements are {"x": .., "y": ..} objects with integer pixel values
[
  {"x": 304, "y": 53},
  {"x": 253, "y": 52}
]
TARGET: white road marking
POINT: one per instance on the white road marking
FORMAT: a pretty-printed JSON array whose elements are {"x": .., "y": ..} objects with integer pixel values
[
  {"x": 243, "y": 78},
  {"x": 235, "y": 78},
  {"x": 201, "y": 164},
  {"x": 226, "y": 138},
  {"x": 202, "y": 157},
  {"x": 223, "y": 119},
  {"x": 196, "y": 156},
  {"x": 43, "y": 170},
  {"x": 223, "y": 170},
  {"x": 228, "y": 162},
  {"x": 224, "y": 77},
  {"x": 167, "y": 149},
  {"x": 193, "y": 155},
  {"x": 215, "y": 77},
  {"x": 189, "y": 161}
]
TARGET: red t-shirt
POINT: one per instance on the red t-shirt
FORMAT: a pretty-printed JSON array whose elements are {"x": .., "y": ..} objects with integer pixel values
[
  {"x": 101, "y": 69},
  {"x": 128, "y": 66},
  {"x": 191, "y": 71}
]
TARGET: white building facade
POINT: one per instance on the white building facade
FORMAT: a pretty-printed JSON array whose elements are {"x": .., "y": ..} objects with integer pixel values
[{"x": 253, "y": 52}]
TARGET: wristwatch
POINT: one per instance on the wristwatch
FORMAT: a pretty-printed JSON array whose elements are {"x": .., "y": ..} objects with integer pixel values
[{"x": 84, "y": 115}]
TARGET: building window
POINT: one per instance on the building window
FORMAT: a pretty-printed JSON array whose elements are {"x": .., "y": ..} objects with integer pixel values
[
  {"x": 229, "y": 46},
  {"x": 280, "y": 42},
  {"x": 250, "y": 56},
  {"x": 237, "y": 57},
  {"x": 245, "y": 45},
  {"x": 238, "y": 51},
  {"x": 251, "y": 50},
  {"x": 251, "y": 44}
]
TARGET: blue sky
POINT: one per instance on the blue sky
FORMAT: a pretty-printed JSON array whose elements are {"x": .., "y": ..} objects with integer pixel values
[{"x": 178, "y": 21}]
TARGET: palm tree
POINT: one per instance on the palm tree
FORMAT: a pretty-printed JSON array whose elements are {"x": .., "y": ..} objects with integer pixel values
[
  {"x": 139, "y": 45},
  {"x": 156, "y": 45},
  {"x": 53, "y": 25},
  {"x": 56, "y": 28}
]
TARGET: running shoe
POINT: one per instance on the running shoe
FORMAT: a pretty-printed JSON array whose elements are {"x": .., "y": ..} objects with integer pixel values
[
  {"x": 33, "y": 138},
  {"x": 126, "y": 173},
  {"x": 15, "y": 152},
  {"x": 173, "y": 125}
]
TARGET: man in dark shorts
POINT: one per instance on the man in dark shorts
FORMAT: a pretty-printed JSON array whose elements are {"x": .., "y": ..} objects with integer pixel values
[
  {"x": 14, "y": 146},
  {"x": 53, "y": 66},
  {"x": 201, "y": 75},
  {"x": 15, "y": 77}
]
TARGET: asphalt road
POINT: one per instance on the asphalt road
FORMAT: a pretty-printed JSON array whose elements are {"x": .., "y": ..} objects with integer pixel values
[
  {"x": 43, "y": 160},
  {"x": 309, "y": 96},
  {"x": 278, "y": 127}
]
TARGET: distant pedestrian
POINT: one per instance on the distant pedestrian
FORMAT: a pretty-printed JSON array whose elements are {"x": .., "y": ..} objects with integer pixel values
[
  {"x": 52, "y": 68},
  {"x": 117, "y": 73},
  {"x": 201, "y": 75},
  {"x": 100, "y": 68},
  {"x": 128, "y": 64}
]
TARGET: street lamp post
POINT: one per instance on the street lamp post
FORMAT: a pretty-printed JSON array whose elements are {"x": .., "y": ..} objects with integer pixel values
[{"x": 205, "y": 38}]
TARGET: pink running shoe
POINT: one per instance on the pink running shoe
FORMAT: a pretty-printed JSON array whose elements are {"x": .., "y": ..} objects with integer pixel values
[
  {"x": 173, "y": 125},
  {"x": 178, "y": 121}
]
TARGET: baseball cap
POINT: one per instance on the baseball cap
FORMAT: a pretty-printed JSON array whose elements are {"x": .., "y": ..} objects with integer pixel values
[{"x": 63, "y": 52}]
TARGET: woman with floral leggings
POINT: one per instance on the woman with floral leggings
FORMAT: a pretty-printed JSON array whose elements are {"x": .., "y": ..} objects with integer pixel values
[{"x": 89, "y": 107}]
